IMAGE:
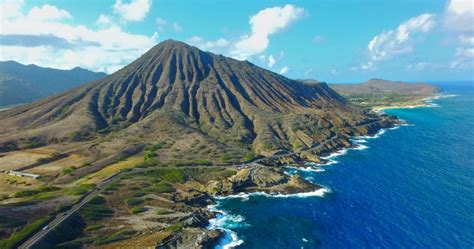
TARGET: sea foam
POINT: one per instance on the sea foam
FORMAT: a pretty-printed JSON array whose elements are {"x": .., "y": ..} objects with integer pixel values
[
  {"x": 319, "y": 193},
  {"x": 225, "y": 222}
]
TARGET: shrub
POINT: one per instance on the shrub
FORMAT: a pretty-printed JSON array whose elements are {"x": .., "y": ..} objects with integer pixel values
[
  {"x": 163, "y": 187},
  {"x": 164, "y": 211},
  {"x": 96, "y": 209},
  {"x": 174, "y": 228},
  {"x": 136, "y": 194},
  {"x": 93, "y": 227},
  {"x": 19, "y": 236},
  {"x": 68, "y": 170},
  {"x": 133, "y": 201},
  {"x": 136, "y": 210}
]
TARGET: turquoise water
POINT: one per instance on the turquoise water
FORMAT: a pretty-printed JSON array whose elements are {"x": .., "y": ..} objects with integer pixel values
[{"x": 412, "y": 187}]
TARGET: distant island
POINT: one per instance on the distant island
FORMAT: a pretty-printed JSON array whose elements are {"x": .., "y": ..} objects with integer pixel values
[
  {"x": 21, "y": 84},
  {"x": 134, "y": 159},
  {"x": 378, "y": 94}
]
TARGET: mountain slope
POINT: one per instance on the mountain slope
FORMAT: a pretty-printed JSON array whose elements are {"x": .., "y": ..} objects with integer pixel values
[
  {"x": 183, "y": 96},
  {"x": 21, "y": 84}
]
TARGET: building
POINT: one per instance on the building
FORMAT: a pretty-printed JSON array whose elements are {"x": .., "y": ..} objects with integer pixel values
[{"x": 23, "y": 174}]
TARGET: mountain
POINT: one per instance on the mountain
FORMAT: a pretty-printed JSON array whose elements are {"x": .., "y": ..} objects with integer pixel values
[
  {"x": 194, "y": 105},
  {"x": 25, "y": 83},
  {"x": 309, "y": 81},
  {"x": 380, "y": 86}
]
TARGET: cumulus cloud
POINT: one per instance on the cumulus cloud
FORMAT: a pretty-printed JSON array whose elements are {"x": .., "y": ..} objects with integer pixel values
[
  {"x": 219, "y": 46},
  {"x": 397, "y": 42},
  {"x": 459, "y": 15},
  {"x": 11, "y": 8},
  {"x": 43, "y": 36},
  {"x": 48, "y": 12},
  {"x": 103, "y": 20},
  {"x": 135, "y": 10},
  {"x": 284, "y": 70},
  {"x": 265, "y": 23},
  {"x": 459, "y": 21}
]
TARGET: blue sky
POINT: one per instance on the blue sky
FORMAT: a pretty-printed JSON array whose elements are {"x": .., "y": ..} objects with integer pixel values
[{"x": 334, "y": 41}]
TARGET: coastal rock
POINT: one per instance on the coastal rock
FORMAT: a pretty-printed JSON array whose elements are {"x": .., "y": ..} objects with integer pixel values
[
  {"x": 195, "y": 238},
  {"x": 257, "y": 177},
  {"x": 194, "y": 197}
]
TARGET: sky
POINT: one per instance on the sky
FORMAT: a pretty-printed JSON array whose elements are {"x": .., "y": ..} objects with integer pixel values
[{"x": 333, "y": 41}]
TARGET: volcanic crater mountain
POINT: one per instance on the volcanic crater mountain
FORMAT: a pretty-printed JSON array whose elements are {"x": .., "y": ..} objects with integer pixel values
[{"x": 175, "y": 94}]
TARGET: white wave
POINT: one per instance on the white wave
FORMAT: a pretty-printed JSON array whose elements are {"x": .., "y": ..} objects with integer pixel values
[
  {"x": 335, "y": 154},
  {"x": 360, "y": 147},
  {"x": 432, "y": 105},
  {"x": 359, "y": 141},
  {"x": 320, "y": 193},
  {"x": 307, "y": 169},
  {"x": 226, "y": 221}
]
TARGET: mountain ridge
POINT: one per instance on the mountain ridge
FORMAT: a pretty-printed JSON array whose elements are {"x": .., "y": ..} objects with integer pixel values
[
  {"x": 382, "y": 86},
  {"x": 25, "y": 83},
  {"x": 179, "y": 93}
]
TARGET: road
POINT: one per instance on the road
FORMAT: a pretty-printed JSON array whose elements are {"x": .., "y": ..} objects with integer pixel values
[
  {"x": 65, "y": 215},
  {"x": 96, "y": 191}
]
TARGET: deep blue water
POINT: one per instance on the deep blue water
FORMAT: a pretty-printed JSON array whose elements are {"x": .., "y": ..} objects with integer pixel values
[{"x": 412, "y": 188}]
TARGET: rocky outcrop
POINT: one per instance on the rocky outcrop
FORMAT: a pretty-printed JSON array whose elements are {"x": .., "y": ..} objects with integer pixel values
[{"x": 261, "y": 179}]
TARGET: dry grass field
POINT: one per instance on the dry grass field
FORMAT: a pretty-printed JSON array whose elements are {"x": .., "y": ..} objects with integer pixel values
[
  {"x": 112, "y": 169},
  {"x": 12, "y": 184},
  {"x": 55, "y": 167}
]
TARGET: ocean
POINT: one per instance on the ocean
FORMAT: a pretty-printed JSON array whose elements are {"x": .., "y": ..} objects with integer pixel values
[{"x": 410, "y": 187}]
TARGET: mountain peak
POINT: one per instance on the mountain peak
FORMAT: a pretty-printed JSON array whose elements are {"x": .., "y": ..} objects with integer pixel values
[{"x": 177, "y": 85}]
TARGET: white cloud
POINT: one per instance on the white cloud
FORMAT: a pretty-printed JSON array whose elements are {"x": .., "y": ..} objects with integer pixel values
[
  {"x": 458, "y": 21},
  {"x": 103, "y": 49},
  {"x": 11, "y": 8},
  {"x": 271, "y": 61},
  {"x": 48, "y": 12},
  {"x": 368, "y": 66},
  {"x": 103, "y": 20},
  {"x": 284, "y": 70},
  {"x": 136, "y": 10},
  {"x": 397, "y": 42},
  {"x": 459, "y": 15},
  {"x": 219, "y": 46},
  {"x": 265, "y": 23}
]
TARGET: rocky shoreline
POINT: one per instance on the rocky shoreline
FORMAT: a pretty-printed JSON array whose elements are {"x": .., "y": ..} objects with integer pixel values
[
  {"x": 267, "y": 177},
  {"x": 255, "y": 178}
]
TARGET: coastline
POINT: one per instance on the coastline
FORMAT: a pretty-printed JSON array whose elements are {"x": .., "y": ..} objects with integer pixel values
[
  {"x": 357, "y": 143},
  {"x": 424, "y": 102},
  {"x": 224, "y": 222}
]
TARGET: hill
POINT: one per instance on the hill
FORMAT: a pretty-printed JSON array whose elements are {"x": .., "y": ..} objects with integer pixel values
[
  {"x": 378, "y": 94},
  {"x": 25, "y": 83},
  {"x": 218, "y": 108},
  {"x": 380, "y": 86}
]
